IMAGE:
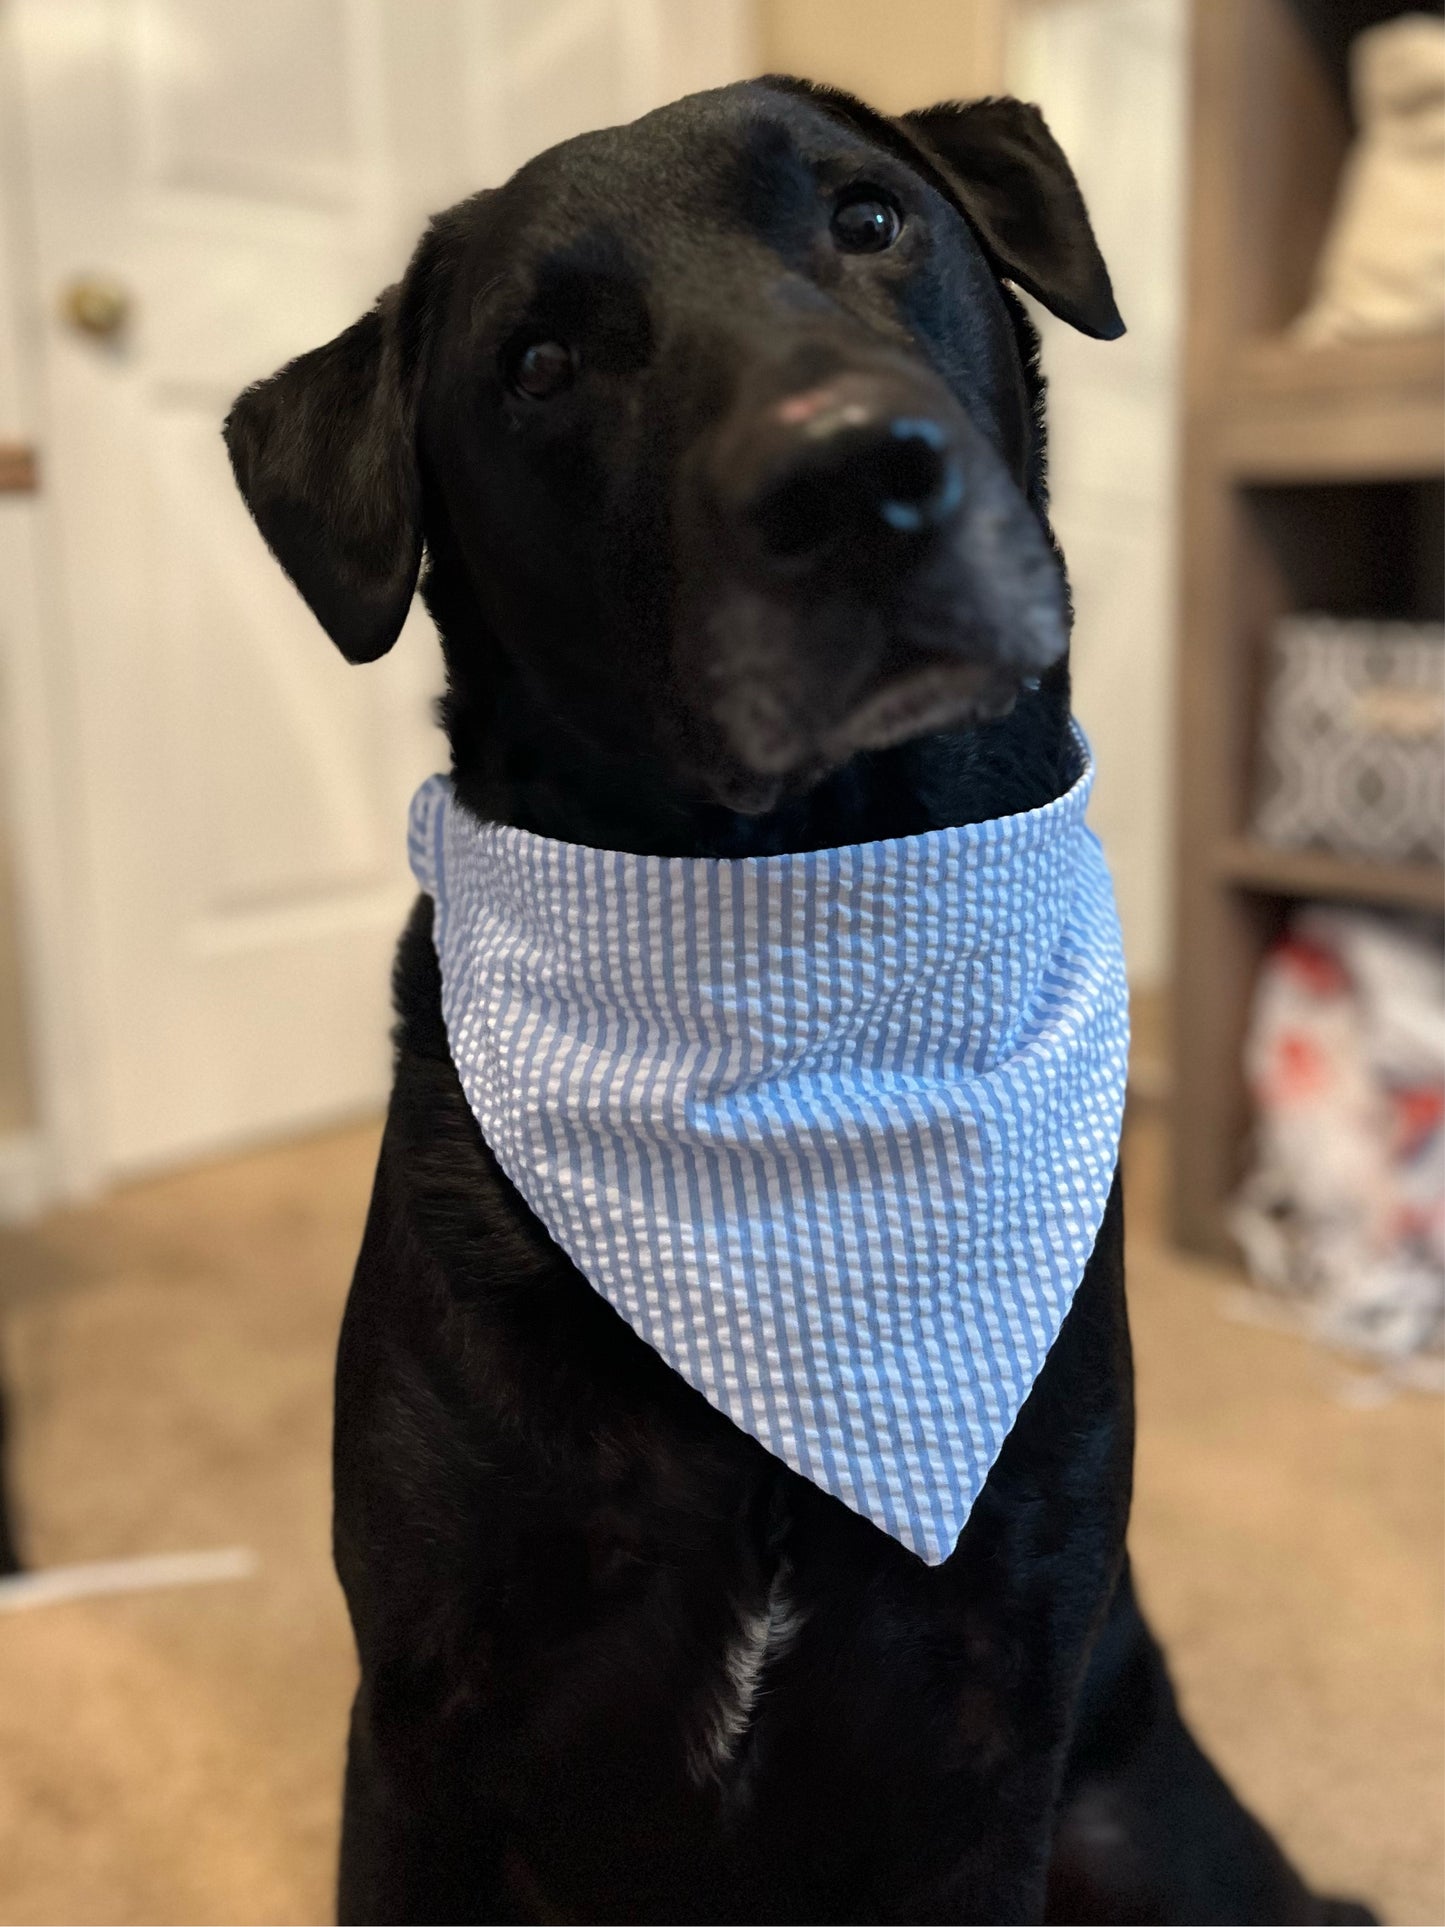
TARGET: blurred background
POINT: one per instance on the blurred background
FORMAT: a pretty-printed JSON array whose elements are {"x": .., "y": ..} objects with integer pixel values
[{"x": 202, "y": 869}]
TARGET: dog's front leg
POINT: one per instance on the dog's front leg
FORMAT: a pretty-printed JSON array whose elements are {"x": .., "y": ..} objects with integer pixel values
[
  {"x": 416, "y": 1845},
  {"x": 1148, "y": 1830}
]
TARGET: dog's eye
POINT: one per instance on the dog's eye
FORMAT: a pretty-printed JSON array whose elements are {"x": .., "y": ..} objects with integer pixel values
[
  {"x": 865, "y": 221},
  {"x": 541, "y": 368}
]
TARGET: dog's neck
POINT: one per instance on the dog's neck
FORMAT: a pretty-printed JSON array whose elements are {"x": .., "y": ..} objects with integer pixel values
[{"x": 513, "y": 763}]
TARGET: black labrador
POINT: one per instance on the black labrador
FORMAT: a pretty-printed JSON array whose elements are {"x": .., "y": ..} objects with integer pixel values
[{"x": 722, "y": 436}]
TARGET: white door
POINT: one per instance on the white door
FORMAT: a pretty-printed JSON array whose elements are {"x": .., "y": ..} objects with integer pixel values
[{"x": 243, "y": 176}]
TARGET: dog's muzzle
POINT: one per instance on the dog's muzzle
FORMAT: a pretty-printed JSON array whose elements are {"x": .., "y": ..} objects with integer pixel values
[{"x": 882, "y": 574}]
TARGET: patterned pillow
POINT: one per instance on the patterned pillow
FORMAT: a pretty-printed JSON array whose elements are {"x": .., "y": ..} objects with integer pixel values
[{"x": 1352, "y": 743}]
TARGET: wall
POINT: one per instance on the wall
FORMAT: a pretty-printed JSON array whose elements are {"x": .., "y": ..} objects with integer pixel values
[
  {"x": 908, "y": 54},
  {"x": 1110, "y": 76}
]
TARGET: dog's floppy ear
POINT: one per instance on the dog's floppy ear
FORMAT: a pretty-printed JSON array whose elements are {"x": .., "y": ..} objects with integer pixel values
[
  {"x": 325, "y": 454},
  {"x": 1013, "y": 183},
  {"x": 1006, "y": 174}
]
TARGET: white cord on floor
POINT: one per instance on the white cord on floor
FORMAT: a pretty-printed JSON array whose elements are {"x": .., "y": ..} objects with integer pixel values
[{"x": 58, "y": 1583}]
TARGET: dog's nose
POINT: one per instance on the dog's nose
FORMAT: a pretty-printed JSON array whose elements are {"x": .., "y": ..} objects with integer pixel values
[{"x": 846, "y": 460}]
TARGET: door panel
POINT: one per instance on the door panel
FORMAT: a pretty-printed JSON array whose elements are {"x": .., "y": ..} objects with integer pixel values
[{"x": 251, "y": 100}]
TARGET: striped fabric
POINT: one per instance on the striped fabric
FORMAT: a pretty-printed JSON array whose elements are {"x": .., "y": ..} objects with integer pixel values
[{"x": 834, "y": 1132}]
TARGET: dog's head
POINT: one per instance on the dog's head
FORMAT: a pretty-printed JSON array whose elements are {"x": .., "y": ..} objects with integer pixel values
[{"x": 719, "y": 433}]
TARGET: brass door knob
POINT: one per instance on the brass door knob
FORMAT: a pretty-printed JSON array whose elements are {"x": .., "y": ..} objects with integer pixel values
[{"x": 96, "y": 304}]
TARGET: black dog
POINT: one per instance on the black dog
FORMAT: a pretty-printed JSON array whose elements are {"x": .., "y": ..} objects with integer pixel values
[{"x": 722, "y": 435}]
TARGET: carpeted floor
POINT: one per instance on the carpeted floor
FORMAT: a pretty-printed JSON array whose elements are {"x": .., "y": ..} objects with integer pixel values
[{"x": 174, "y": 1756}]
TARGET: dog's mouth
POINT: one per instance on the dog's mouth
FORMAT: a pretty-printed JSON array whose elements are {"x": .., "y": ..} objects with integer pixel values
[
  {"x": 771, "y": 754},
  {"x": 921, "y": 702}
]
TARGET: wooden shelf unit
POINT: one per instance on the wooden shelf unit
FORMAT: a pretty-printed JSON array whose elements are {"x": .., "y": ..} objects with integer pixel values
[
  {"x": 1298, "y": 414},
  {"x": 1332, "y": 879},
  {"x": 1313, "y": 479}
]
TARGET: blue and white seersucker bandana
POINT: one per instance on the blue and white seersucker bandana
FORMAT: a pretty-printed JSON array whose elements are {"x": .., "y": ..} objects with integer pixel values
[{"x": 834, "y": 1132}]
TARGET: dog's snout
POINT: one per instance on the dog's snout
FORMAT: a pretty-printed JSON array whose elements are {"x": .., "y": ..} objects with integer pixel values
[
  {"x": 885, "y": 575},
  {"x": 845, "y": 459}
]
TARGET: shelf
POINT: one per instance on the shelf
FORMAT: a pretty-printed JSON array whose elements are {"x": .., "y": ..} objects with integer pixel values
[
  {"x": 1313, "y": 479},
  {"x": 1314, "y": 873},
  {"x": 1359, "y": 411},
  {"x": 1274, "y": 366}
]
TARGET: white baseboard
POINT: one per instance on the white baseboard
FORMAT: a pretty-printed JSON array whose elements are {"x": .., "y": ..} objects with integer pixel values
[{"x": 27, "y": 1185}]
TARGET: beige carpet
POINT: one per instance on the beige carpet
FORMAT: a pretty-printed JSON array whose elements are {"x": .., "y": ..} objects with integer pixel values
[{"x": 175, "y": 1756}]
